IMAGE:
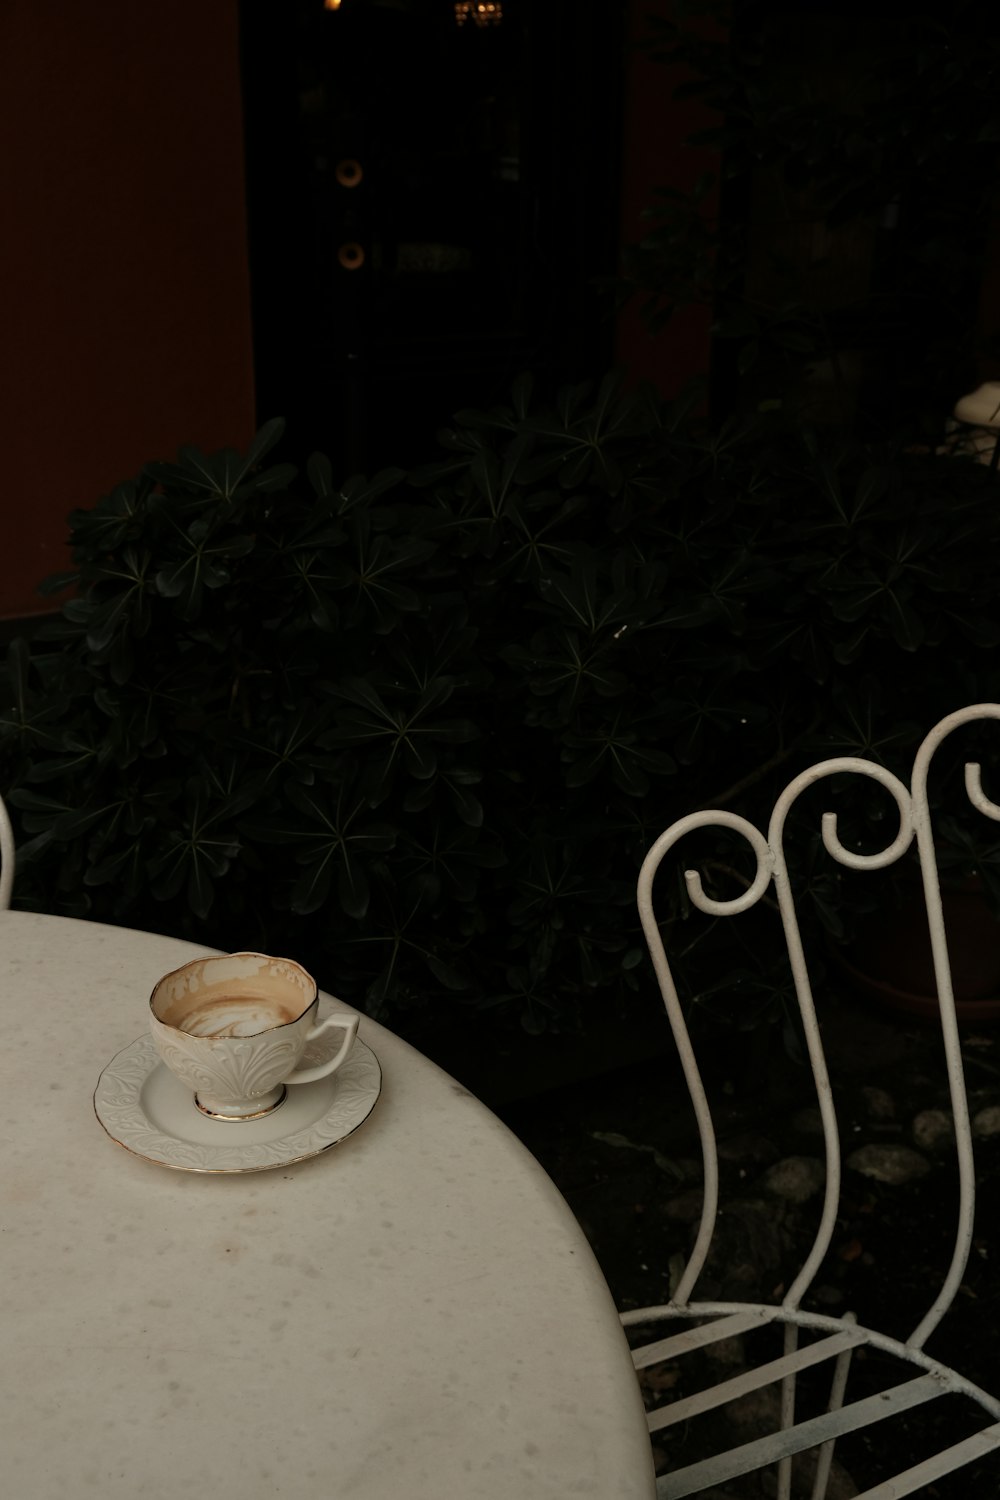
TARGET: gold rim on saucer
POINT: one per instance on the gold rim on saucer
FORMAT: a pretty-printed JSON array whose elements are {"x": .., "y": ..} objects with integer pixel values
[{"x": 145, "y": 1109}]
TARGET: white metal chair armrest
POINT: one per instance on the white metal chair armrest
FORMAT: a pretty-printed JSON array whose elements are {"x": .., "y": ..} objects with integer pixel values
[{"x": 7, "y": 858}]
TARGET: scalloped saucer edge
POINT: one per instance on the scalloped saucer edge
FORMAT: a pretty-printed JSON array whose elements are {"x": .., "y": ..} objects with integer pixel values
[{"x": 145, "y": 1109}]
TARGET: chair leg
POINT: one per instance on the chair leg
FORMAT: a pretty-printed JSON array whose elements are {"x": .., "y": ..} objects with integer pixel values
[
  {"x": 838, "y": 1388},
  {"x": 787, "y": 1414}
]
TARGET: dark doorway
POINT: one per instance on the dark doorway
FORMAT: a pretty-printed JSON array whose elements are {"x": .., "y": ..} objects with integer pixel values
[{"x": 433, "y": 200}]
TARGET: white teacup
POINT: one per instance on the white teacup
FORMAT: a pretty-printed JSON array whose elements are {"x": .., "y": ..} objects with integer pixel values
[{"x": 233, "y": 1027}]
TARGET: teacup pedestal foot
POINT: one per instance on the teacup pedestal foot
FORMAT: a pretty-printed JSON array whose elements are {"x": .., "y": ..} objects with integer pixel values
[{"x": 241, "y": 1109}]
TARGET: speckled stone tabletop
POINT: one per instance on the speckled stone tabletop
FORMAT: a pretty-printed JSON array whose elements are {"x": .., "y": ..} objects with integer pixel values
[{"x": 413, "y": 1312}]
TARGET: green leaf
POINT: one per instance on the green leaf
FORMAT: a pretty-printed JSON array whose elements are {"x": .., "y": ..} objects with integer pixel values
[
  {"x": 447, "y": 974},
  {"x": 468, "y": 807},
  {"x": 359, "y": 491},
  {"x": 268, "y": 481},
  {"x": 905, "y": 624},
  {"x": 319, "y": 472},
  {"x": 353, "y": 890},
  {"x": 109, "y": 619},
  {"x": 78, "y": 758},
  {"x": 18, "y": 666},
  {"x": 420, "y": 759},
  {"x": 201, "y": 885},
  {"x": 266, "y": 437},
  {"x": 122, "y": 867},
  {"x": 56, "y": 583}
]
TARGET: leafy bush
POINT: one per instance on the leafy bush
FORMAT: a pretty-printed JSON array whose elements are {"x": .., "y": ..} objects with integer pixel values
[{"x": 420, "y": 729}]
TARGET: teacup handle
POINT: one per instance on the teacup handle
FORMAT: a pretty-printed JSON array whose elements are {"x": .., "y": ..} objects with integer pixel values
[{"x": 349, "y": 1026}]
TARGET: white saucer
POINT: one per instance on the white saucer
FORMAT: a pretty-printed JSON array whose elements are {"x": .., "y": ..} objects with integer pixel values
[{"x": 147, "y": 1110}]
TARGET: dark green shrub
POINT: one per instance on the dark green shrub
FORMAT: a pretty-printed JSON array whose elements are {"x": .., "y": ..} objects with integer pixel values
[{"x": 419, "y": 730}]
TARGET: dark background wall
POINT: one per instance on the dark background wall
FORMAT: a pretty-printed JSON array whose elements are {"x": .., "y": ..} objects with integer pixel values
[{"x": 124, "y": 290}]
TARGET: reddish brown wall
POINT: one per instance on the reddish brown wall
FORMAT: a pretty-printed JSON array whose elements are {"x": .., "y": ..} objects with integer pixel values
[{"x": 124, "y": 289}]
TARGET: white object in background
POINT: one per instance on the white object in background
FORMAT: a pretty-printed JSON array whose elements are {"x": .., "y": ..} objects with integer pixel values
[
  {"x": 979, "y": 414},
  {"x": 981, "y": 407}
]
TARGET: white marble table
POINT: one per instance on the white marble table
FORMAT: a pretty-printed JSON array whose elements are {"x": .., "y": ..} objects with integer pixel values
[{"x": 413, "y": 1313}]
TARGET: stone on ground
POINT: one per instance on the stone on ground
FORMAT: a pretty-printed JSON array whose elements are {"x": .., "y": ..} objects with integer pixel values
[
  {"x": 933, "y": 1130},
  {"x": 795, "y": 1178},
  {"x": 987, "y": 1121},
  {"x": 889, "y": 1163}
]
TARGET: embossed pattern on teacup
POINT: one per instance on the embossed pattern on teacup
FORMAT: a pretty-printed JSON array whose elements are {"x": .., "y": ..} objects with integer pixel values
[{"x": 231, "y": 1072}]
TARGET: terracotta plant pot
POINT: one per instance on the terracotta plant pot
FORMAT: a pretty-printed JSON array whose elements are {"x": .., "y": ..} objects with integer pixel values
[{"x": 890, "y": 958}]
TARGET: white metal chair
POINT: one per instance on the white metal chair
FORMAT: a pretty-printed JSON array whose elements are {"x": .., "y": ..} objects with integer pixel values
[
  {"x": 811, "y": 1338},
  {"x": 7, "y": 858}
]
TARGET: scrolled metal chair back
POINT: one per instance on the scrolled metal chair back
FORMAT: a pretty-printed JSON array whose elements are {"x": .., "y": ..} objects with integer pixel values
[{"x": 914, "y": 824}]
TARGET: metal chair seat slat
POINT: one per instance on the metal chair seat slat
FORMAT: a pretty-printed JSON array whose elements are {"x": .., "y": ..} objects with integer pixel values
[
  {"x": 694, "y": 1338},
  {"x": 809, "y": 1434},
  {"x": 946, "y": 1462},
  {"x": 753, "y": 1379}
]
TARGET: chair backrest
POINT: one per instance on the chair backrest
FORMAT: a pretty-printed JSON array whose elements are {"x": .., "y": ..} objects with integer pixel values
[
  {"x": 772, "y": 869},
  {"x": 7, "y": 858},
  {"x": 833, "y": 1338}
]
